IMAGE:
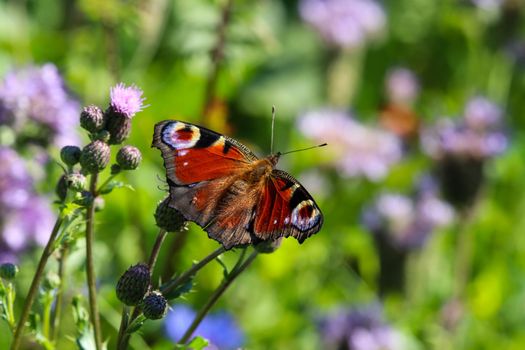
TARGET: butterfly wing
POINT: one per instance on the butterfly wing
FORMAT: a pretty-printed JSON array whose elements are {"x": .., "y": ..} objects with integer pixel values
[
  {"x": 202, "y": 170},
  {"x": 285, "y": 208}
]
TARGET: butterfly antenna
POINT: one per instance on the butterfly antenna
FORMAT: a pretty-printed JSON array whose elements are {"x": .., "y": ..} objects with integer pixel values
[
  {"x": 303, "y": 149},
  {"x": 273, "y": 123}
]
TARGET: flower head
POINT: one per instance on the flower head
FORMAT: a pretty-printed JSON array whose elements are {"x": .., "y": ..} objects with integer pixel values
[
  {"x": 406, "y": 222},
  {"x": 220, "y": 328},
  {"x": 359, "y": 329},
  {"x": 133, "y": 284},
  {"x": 401, "y": 86},
  {"x": 37, "y": 96},
  {"x": 126, "y": 100},
  {"x": 345, "y": 23},
  {"x": 358, "y": 150}
]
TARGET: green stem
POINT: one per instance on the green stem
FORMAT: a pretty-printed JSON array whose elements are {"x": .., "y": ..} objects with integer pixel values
[
  {"x": 124, "y": 322},
  {"x": 90, "y": 270},
  {"x": 156, "y": 250},
  {"x": 463, "y": 254},
  {"x": 10, "y": 299},
  {"x": 237, "y": 270},
  {"x": 46, "y": 313},
  {"x": 30, "y": 298},
  {"x": 169, "y": 286},
  {"x": 60, "y": 292},
  {"x": 105, "y": 183}
]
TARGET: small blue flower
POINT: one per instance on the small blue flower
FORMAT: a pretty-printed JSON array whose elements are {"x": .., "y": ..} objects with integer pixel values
[
  {"x": 126, "y": 101},
  {"x": 221, "y": 329}
]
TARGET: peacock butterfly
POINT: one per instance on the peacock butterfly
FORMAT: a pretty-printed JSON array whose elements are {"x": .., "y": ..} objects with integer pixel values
[{"x": 237, "y": 198}]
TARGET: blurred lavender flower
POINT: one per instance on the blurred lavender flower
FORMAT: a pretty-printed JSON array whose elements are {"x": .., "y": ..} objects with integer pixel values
[
  {"x": 462, "y": 147},
  {"x": 25, "y": 218},
  {"x": 359, "y": 150},
  {"x": 401, "y": 85},
  {"x": 35, "y": 103},
  {"x": 478, "y": 135},
  {"x": 220, "y": 329},
  {"x": 488, "y": 5},
  {"x": 359, "y": 329},
  {"x": 407, "y": 222},
  {"x": 345, "y": 23}
]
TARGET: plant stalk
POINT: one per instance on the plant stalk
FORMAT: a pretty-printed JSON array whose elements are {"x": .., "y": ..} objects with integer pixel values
[
  {"x": 30, "y": 298},
  {"x": 237, "y": 270},
  {"x": 90, "y": 270}
]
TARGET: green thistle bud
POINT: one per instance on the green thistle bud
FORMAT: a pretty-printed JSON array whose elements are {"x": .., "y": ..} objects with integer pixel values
[
  {"x": 70, "y": 155},
  {"x": 51, "y": 281},
  {"x": 95, "y": 157},
  {"x": 92, "y": 119},
  {"x": 103, "y": 136},
  {"x": 84, "y": 198},
  {"x": 99, "y": 204},
  {"x": 168, "y": 218},
  {"x": 76, "y": 182},
  {"x": 267, "y": 247},
  {"x": 134, "y": 284},
  {"x": 119, "y": 126},
  {"x": 8, "y": 271},
  {"x": 61, "y": 188},
  {"x": 129, "y": 158},
  {"x": 154, "y": 306}
]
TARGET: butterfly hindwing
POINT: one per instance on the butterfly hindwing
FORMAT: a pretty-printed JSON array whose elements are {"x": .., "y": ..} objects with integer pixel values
[{"x": 286, "y": 209}]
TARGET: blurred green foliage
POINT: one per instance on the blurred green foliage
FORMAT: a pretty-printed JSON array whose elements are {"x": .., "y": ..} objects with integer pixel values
[{"x": 272, "y": 58}]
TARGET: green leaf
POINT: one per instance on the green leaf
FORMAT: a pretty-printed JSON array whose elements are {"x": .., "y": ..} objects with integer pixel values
[
  {"x": 180, "y": 290},
  {"x": 113, "y": 185},
  {"x": 197, "y": 343},
  {"x": 136, "y": 324}
]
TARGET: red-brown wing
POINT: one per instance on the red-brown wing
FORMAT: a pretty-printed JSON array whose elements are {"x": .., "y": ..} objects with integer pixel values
[
  {"x": 193, "y": 154},
  {"x": 285, "y": 209}
]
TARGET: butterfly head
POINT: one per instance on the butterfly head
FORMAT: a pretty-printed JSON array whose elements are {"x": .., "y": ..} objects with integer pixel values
[{"x": 274, "y": 158}]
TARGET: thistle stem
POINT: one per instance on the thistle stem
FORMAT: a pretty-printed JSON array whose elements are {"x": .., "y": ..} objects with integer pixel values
[
  {"x": 237, "y": 270},
  {"x": 90, "y": 271},
  {"x": 169, "y": 286},
  {"x": 60, "y": 292},
  {"x": 156, "y": 250},
  {"x": 30, "y": 298}
]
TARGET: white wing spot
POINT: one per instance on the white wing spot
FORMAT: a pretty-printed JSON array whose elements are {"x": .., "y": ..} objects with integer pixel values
[
  {"x": 275, "y": 222},
  {"x": 287, "y": 220},
  {"x": 185, "y": 163}
]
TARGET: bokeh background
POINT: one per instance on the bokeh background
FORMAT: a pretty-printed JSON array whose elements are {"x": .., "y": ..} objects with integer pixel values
[{"x": 421, "y": 185}]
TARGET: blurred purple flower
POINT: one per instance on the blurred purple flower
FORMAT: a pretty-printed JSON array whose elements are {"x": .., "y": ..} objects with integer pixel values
[
  {"x": 407, "y": 222},
  {"x": 488, "y": 5},
  {"x": 359, "y": 329},
  {"x": 401, "y": 86},
  {"x": 345, "y": 23},
  {"x": 220, "y": 329},
  {"x": 478, "y": 135},
  {"x": 37, "y": 95},
  {"x": 126, "y": 100},
  {"x": 359, "y": 150},
  {"x": 25, "y": 218}
]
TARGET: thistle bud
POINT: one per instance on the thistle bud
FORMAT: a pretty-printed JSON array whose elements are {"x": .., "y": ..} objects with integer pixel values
[
  {"x": 61, "y": 188},
  {"x": 119, "y": 127},
  {"x": 92, "y": 119},
  {"x": 84, "y": 199},
  {"x": 103, "y": 136},
  {"x": 8, "y": 271},
  {"x": 51, "y": 281},
  {"x": 154, "y": 306},
  {"x": 267, "y": 247},
  {"x": 70, "y": 155},
  {"x": 95, "y": 157},
  {"x": 129, "y": 158},
  {"x": 133, "y": 284},
  {"x": 76, "y": 182},
  {"x": 168, "y": 218}
]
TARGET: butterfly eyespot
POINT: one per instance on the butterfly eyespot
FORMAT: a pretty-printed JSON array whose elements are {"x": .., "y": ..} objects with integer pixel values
[
  {"x": 181, "y": 136},
  {"x": 305, "y": 215}
]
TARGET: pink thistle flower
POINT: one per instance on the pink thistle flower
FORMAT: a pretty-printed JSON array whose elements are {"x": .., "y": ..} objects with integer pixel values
[{"x": 126, "y": 100}]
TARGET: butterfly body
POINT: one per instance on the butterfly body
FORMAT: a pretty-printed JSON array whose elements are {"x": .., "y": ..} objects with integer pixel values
[{"x": 236, "y": 197}]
